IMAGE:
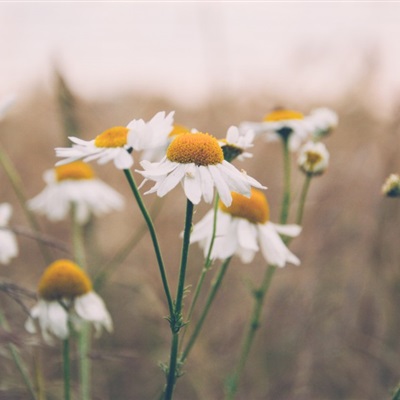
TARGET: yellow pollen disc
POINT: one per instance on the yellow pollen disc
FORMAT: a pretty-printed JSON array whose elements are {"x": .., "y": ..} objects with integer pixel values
[
  {"x": 113, "y": 137},
  {"x": 198, "y": 148},
  {"x": 63, "y": 279},
  {"x": 282, "y": 115},
  {"x": 75, "y": 170},
  {"x": 313, "y": 158},
  {"x": 178, "y": 130},
  {"x": 255, "y": 209}
]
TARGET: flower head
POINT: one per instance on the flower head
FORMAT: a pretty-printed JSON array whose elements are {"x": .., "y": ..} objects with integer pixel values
[
  {"x": 116, "y": 144},
  {"x": 281, "y": 124},
  {"x": 197, "y": 161},
  {"x": 243, "y": 229},
  {"x": 66, "y": 299},
  {"x": 321, "y": 121},
  {"x": 8, "y": 241},
  {"x": 236, "y": 143},
  {"x": 391, "y": 187},
  {"x": 313, "y": 158},
  {"x": 75, "y": 185}
]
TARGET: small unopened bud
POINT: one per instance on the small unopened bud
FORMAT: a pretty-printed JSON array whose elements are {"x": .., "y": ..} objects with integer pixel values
[
  {"x": 313, "y": 158},
  {"x": 391, "y": 187}
]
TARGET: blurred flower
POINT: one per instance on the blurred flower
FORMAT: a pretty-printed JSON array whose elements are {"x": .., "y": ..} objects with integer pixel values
[
  {"x": 197, "y": 161},
  {"x": 116, "y": 144},
  {"x": 75, "y": 185},
  {"x": 66, "y": 300},
  {"x": 321, "y": 121},
  {"x": 236, "y": 143},
  {"x": 8, "y": 241},
  {"x": 281, "y": 124},
  {"x": 313, "y": 158},
  {"x": 244, "y": 228},
  {"x": 6, "y": 104},
  {"x": 391, "y": 187}
]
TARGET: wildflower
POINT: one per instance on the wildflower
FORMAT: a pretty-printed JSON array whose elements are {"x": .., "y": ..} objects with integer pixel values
[
  {"x": 235, "y": 144},
  {"x": 197, "y": 161},
  {"x": 66, "y": 300},
  {"x": 75, "y": 185},
  {"x": 281, "y": 124},
  {"x": 313, "y": 158},
  {"x": 8, "y": 241},
  {"x": 321, "y": 121},
  {"x": 243, "y": 229},
  {"x": 116, "y": 144},
  {"x": 391, "y": 187}
]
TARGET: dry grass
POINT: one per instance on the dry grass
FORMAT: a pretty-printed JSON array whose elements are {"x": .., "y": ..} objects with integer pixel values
[{"x": 330, "y": 327}]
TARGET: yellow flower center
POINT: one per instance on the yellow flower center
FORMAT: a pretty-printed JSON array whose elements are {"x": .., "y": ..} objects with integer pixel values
[
  {"x": 255, "y": 209},
  {"x": 313, "y": 158},
  {"x": 113, "y": 137},
  {"x": 198, "y": 148},
  {"x": 75, "y": 170},
  {"x": 178, "y": 130},
  {"x": 282, "y": 115},
  {"x": 63, "y": 279}
]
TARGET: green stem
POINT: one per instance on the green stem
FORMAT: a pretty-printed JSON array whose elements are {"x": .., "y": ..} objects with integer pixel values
[
  {"x": 154, "y": 239},
  {"x": 215, "y": 285},
  {"x": 67, "y": 369},
  {"x": 259, "y": 296},
  {"x": 18, "y": 360},
  {"x": 286, "y": 189},
  {"x": 206, "y": 268},
  {"x": 396, "y": 393},
  {"x": 84, "y": 341},
  {"x": 303, "y": 196},
  {"x": 177, "y": 321},
  {"x": 17, "y": 185}
]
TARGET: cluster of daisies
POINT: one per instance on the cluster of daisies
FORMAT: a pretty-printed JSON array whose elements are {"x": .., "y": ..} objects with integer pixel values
[{"x": 169, "y": 155}]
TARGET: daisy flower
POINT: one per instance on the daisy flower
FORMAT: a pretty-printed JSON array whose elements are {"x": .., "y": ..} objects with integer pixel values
[
  {"x": 66, "y": 300},
  {"x": 235, "y": 144},
  {"x": 75, "y": 185},
  {"x": 116, "y": 144},
  {"x": 321, "y": 121},
  {"x": 197, "y": 161},
  {"x": 243, "y": 229},
  {"x": 281, "y": 124},
  {"x": 313, "y": 158},
  {"x": 391, "y": 187},
  {"x": 8, "y": 241}
]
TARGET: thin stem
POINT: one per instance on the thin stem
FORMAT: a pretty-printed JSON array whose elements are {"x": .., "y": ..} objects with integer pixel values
[
  {"x": 67, "y": 369},
  {"x": 215, "y": 285},
  {"x": 177, "y": 321},
  {"x": 396, "y": 393},
  {"x": 84, "y": 341},
  {"x": 259, "y": 296},
  {"x": 303, "y": 196},
  {"x": 207, "y": 265},
  {"x": 286, "y": 189},
  {"x": 17, "y": 185},
  {"x": 154, "y": 239},
  {"x": 18, "y": 360}
]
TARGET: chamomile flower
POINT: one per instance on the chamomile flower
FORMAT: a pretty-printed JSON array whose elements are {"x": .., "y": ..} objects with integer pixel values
[
  {"x": 116, "y": 144},
  {"x": 281, "y": 124},
  {"x": 243, "y": 229},
  {"x": 235, "y": 144},
  {"x": 75, "y": 185},
  {"x": 196, "y": 160},
  {"x": 321, "y": 121},
  {"x": 391, "y": 187},
  {"x": 66, "y": 300},
  {"x": 8, "y": 241},
  {"x": 313, "y": 158}
]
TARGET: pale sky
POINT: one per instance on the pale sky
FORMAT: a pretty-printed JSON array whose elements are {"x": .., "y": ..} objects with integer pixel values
[{"x": 189, "y": 51}]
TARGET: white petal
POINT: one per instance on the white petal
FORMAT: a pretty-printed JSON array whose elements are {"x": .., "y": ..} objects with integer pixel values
[
  {"x": 192, "y": 184},
  {"x": 287, "y": 230},
  {"x": 221, "y": 185},
  {"x": 207, "y": 184},
  {"x": 171, "y": 180}
]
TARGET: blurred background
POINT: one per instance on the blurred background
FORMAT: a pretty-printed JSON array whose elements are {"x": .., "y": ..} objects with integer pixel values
[{"x": 330, "y": 327}]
